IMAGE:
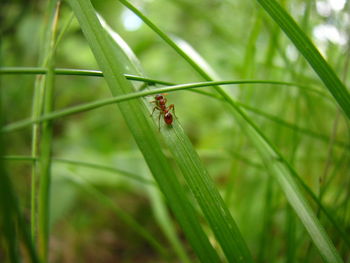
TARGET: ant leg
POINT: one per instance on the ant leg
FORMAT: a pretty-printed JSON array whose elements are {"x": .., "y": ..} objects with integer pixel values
[
  {"x": 172, "y": 108},
  {"x": 153, "y": 111},
  {"x": 155, "y": 108},
  {"x": 160, "y": 114}
]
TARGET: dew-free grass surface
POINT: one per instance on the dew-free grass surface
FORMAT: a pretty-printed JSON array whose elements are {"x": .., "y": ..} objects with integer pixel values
[{"x": 253, "y": 169}]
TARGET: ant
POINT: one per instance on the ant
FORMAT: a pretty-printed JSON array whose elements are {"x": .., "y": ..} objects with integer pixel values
[{"x": 164, "y": 111}]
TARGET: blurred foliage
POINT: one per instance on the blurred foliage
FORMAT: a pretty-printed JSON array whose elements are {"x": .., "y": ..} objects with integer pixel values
[{"x": 240, "y": 42}]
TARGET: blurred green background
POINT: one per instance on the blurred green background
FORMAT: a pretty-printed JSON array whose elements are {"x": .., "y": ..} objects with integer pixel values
[{"x": 239, "y": 41}]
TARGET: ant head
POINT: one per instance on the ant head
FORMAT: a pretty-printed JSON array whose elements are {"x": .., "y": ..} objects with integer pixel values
[{"x": 159, "y": 97}]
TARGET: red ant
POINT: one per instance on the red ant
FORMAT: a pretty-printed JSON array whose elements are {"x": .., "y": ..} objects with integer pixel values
[{"x": 160, "y": 102}]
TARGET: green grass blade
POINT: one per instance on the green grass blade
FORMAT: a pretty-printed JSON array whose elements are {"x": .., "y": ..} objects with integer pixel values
[
  {"x": 42, "y": 71},
  {"x": 45, "y": 174},
  {"x": 238, "y": 250},
  {"x": 12, "y": 223},
  {"x": 285, "y": 176},
  {"x": 282, "y": 171},
  {"x": 122, "y": 50},
  {"x": 166, "y": 38},
  {"x": 160, "y": 210},
  {"x": 207, "y": 196},
  {"x": 98, "y": 73},
  {"x": 46, "y": 143},
  {"x": 96, "y": 104},
  {"x": 88, "y": 165},
  {"x": 136, "y": 116},
  {"x": 159, "y": 207},
  {"x": 63, "y": 30},
  {"x": 133, "y": 95},
  {"x": 334, "y": 222},
  {"x": 37, "y": 111},
  {"x": 202, "y": 185},
  {"x": 165, "y": 222},
  {"x": 309, "y": 51}
]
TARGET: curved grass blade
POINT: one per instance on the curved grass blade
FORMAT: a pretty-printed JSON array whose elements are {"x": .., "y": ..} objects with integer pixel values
[
  {"x": 136, "y": 116},
  {"x": 203, "y": 188},
  {"x": 220, "y": 221},
  {"x": 88, "y": 165},
  {"x": 169, "y": 89},
  {"x": 309, "y": 51},
  {"x": 122, "y": 50},
  {"x": 149, "y": 81},
  {"x": 285, "y": 176},
  {"x": 207, "y": 195},
  {"x": 158, "y": 205},
  {"x": 283, "y": 172},
  {"x": 96, "y": 104}
]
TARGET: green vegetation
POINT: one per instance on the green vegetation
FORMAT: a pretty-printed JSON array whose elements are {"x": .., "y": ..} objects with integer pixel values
[{"x": 253, "y": 168}]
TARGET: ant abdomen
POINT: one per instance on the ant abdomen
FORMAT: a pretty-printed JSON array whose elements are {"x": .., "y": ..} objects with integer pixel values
[{"x": 168, "y": 118}]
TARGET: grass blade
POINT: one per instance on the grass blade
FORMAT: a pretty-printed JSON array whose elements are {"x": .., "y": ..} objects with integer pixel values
[
  {"x": 163, "y": 218},
  {"x": 276, "y": 164},
  {"x": 46, "y": 143},
  {"x": 122, "y": 50},
  {"x": 143, "y": 130},
  {"x": 37, "y": 110},
  {"x": 100, "y": 167},
  {"x": 12, "y": 222},
  {"x": 309, "y": 51},
  {"x": 96, "y": 104},
  {"x": 159, "y": 207},
  {"x": 202, "y": 185},
  {"x": 207, "y": 196},
  {"x": 160, "y": 210},
  {"x": 285, "y": 176}
]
